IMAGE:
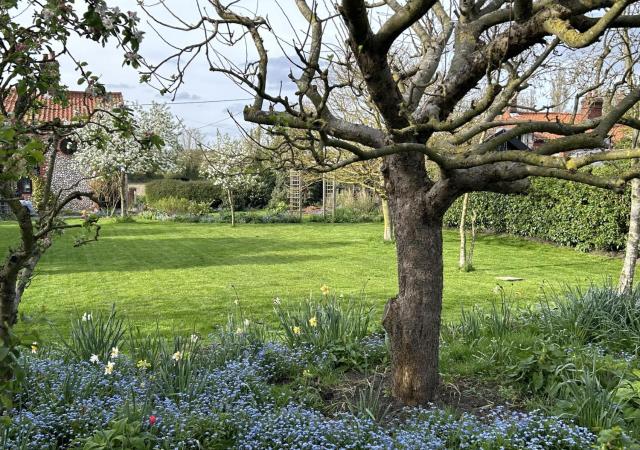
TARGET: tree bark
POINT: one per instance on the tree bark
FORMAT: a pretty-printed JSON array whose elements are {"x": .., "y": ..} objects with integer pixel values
[
  {"x": 10, "y": 271},
  {"x": 8, "y": 311},
  {"x": 462, "y": 261},
  {"x": 233, "y": 212},
  {"x": 388, "y": 222},
  {"x": 625, "y": 284},
  {"x": 412, "y": 319},
  {"x": 123, "y": 194}
]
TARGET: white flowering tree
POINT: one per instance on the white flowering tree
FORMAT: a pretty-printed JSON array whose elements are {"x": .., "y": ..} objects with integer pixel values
[
  {"x": 229, "y": 163},
  {"x": 108, "y": 155}
]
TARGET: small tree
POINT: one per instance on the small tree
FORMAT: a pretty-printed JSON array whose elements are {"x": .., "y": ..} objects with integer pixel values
[
  {"x": 228, "y": 162},
  {"x": 29, "y": 56},
  {"x": 110, "y": 155}
]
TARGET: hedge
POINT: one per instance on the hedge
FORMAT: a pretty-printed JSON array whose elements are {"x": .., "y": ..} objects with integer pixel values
[
  {"x": 197, "y": 191},
  {"x": 204, "y": 191},
  {"x": 558, "y": 211}
]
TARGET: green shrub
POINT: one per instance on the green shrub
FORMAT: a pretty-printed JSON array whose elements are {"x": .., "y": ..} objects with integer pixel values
[
  {"x": 120, "y": 434},
  {"x": 176, "y": 206},
  {"x": 196, "y": 191},
  {"x": 256, "y": 195},
  {"x": 558, "y": 211}
]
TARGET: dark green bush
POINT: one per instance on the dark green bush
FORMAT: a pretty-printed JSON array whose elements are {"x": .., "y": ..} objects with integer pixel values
[
  {"x": 558, "y": 211},
  {"x": 197, "y": 191},
  {"x": 204, "y": 191}
]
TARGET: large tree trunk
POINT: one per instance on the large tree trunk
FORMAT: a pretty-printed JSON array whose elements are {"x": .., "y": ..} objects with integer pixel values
[
  {"x": 388, "y": 222},
  {"x": 412, "y": 319},
  {"x": 625, "y": 284}
]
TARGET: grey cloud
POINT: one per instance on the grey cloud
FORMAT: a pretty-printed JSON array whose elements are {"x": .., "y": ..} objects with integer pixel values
[
  {"x": 120, "y": 86},
  {"x": 278, "y": 73}
]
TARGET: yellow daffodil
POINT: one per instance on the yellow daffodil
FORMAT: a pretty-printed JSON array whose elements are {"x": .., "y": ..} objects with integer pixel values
[
  {"x": 306, "y": 373},
  {"x": 114, "y": 352},
  {"x": 239, "y": 330},
  {"x": 324, "y": 289},
  {"x": 108, "y": 369},
  {"x": 296, "y": 330},
  {"x": 143, "y": 364},
  {"x": 313, "y": 322},
  {"x": 177, "y": 356},
  {"x": 34, "y": 347}
]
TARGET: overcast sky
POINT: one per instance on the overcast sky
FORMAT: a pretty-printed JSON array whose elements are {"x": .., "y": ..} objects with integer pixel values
[{"x": 206, "y": 99}]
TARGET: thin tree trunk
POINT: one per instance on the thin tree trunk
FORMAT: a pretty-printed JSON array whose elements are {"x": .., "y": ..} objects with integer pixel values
[
  {"x": 472, "y": 247},
  {"x": 123, "y": 194},
  {"x": 625, "y": 284},
  {"x": 462, "y": 260},
  {"x": 412, "y": 319},
  {"x": 233, "y": 213},
  {"x": 388, "y": 222}
]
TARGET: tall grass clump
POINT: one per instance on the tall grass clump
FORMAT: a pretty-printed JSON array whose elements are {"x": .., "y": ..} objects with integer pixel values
[
  {"x": 496, "y": 322},
  {"x": 598, "y": 314},
  {"x": 95, "y": 335},
  {"x": 331, "y": 325}
]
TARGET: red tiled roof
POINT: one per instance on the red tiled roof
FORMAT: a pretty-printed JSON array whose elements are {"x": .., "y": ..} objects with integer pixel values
[
  {"x": 617, "y": 132},
  {"x": 79, "y": 103}
]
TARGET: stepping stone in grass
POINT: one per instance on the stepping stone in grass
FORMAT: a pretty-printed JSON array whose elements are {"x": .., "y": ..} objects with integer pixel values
[{"x": 512, "y": 279}]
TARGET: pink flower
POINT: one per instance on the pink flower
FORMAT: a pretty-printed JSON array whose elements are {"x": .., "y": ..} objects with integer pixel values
[{"x": 152, "y": 420}]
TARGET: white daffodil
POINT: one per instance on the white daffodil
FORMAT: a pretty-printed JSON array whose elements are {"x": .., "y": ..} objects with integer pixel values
[{"x": 108, "y": 369}]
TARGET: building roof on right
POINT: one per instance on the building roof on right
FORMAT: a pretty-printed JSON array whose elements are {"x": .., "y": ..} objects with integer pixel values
[{"x": 591, "y": 107}]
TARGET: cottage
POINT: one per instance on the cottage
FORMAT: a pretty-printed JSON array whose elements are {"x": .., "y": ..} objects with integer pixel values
[{"x": 67, "y": 173}]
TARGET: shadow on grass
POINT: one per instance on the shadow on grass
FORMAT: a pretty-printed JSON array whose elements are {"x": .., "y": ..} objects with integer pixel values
[{"x": 108, "y": 255}]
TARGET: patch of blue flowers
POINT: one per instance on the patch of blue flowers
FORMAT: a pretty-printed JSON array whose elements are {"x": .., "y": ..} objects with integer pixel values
[{"x": 233, "y": 405}]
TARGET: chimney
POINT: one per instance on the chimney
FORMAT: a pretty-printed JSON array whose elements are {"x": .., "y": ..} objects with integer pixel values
[
  {"x": 50, "y": 72},
  {"x": 592, "y": 106}
]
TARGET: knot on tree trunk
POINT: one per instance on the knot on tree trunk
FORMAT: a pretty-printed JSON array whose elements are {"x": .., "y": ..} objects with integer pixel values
[{"x": 389, "y": 313}]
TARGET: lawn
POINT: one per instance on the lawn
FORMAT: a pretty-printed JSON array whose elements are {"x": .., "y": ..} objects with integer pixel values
[{"x": 187, "y": 276}]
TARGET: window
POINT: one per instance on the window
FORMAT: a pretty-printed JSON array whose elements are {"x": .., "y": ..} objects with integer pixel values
[
  {"x": 24, "y": 186},
  {"x": 68, "y": 146}
]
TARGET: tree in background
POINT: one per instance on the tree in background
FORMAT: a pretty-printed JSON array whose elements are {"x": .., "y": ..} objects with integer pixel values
[
  {"x": 190, "y": 160},
  {"x": 439, "y": 75},
  {"x": 229, "y": 163},
  {"x": 110, "y": 155}
]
